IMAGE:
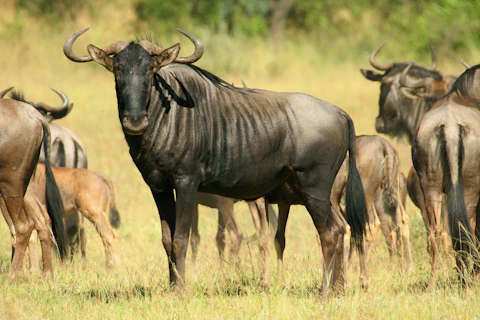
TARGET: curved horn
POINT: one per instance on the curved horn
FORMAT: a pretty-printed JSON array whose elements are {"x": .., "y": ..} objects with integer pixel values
[
  {"x": 57, "y": 112},
  {"x": 408, "y": 83},
  {"x": 197, "y": 54},
  {"x": 466, "y": 65},
  {"x": 433, "y": 66},
  {"x": 4, "y": 92},
  {"x": 153, "y": 49},
  {"x": 376, "y": 65},
  {"x": 114, "y": 48}
]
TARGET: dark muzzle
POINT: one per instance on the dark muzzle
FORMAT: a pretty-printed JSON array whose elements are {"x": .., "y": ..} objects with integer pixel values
[
  {"x": 380, "y": 125},
  {"x": 135, "y": 127}
]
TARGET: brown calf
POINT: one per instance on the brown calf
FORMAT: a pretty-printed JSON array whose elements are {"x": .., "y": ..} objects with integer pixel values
[{"x": 92, "y": 194}]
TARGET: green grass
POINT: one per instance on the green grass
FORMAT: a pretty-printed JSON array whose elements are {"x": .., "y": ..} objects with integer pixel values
[{"x": 139, "y": 287}]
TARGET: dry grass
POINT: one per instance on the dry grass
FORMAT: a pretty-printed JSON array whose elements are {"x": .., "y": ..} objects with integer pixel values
[{"x": 138, "y": 288}]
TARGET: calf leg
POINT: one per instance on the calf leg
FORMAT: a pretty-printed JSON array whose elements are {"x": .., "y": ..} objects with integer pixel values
[{"x": 106, "y": 232}]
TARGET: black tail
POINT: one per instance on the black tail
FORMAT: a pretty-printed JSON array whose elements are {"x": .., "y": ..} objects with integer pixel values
[
  {"x": 457, "y": 210},
  {"x": 114, "y": 214},
  {"x": 357, "y": 215},
  {"x": 54, "y": 202},
  {"x": 114, "y": 217}
]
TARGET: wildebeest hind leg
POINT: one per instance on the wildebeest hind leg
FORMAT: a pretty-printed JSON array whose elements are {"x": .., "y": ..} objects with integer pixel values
[
  {"x": 317, "y": 202},
  {"x": 283, "y": 211},
  {"x": 23, "y": 229}
]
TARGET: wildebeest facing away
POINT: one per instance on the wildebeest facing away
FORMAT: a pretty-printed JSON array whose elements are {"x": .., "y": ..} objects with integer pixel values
[
  {"x": 23, "y": 131},
  {"x": 67, "y": 150},
  {"x": 188, "y": 130},
  {"x": 445, "y": 155},
  {"x": 378, "y": 164},
  {"x": 405, "y": 94},
  {"x": 91, "y": 193}
]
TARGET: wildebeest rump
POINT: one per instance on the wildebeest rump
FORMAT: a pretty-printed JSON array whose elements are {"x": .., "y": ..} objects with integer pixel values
[
  {"x": 405, "y": 95},
  {"x": 67, "y": 150},
  {"x": 92, "y": 194},
  {"x": 23, "y": 131},
  {"x": 188, "y": 130},
  {"x": 445, "y": 155},
  {"x": 378, "y": 164}
]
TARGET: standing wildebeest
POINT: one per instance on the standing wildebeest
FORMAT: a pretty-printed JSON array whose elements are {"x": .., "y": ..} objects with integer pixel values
[
  {"x": 407, "y": 91},
  {"x": 405, "y": 96},
  {"x": 23, "y": 132},
  {"x": 445, "y": 154},
  {"x": 189, "y": 130},
  {"x": 378, "y": 165},
  {"x": 67, "y": 150},
  {"x": 91, "y": 193}
]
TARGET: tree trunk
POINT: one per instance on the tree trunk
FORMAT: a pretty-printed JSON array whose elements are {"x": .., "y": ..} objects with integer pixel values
[{"x": 279, "y": 10}]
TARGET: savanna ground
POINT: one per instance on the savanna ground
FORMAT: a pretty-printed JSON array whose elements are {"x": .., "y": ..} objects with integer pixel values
[{"x": 138, "y": 287}]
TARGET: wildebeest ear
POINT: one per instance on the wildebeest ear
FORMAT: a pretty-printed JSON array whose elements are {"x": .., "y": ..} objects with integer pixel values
[
  {"x": 371, "y": 75},
  {"x": 167, "y": 56},
  {"x": 100, "y": 57}
]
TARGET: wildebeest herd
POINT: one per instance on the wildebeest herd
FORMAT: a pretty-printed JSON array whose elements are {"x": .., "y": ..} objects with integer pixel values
[{"x": 196, "y": 139}]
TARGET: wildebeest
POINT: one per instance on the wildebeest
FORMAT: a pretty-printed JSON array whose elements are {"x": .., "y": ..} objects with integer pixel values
[
  {"x": 92, "y": 194},
  {"x": 67, "y": 150},
  {"x": 378, "y": 164},
  {"x": 445, "y": 154},
  {"x": 405, "y": 94},
  {"x": 23, "y": 131},
  {"x": 189, "y": 130}
]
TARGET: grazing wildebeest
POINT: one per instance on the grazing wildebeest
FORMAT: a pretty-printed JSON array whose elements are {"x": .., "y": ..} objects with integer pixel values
[
  {"x": 91, "y": 193},
  {"x": 67, "y": 150},
  {"x": 405, "y": 95},
  {"x": 189, "y": 130},
  {"x": 23, "y": 132},
  {"x": 378, "y": 164},
  {"x": 445, "y": 154}
]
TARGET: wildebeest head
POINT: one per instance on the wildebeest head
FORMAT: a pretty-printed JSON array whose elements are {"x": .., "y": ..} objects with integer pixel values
[
  {"x": 134, "y": 66},
  {"x": 49, "y": 112},
  {"x": 407, "y": 91}
]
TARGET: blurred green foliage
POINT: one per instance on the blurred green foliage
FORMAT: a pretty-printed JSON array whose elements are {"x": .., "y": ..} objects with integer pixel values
[{"x": 452, "y": 26}]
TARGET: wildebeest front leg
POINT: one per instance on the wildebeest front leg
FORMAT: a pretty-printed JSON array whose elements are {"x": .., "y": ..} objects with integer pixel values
[
  {"x": 166, "y": 209},
  {"x": 185, "y": 206}
]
